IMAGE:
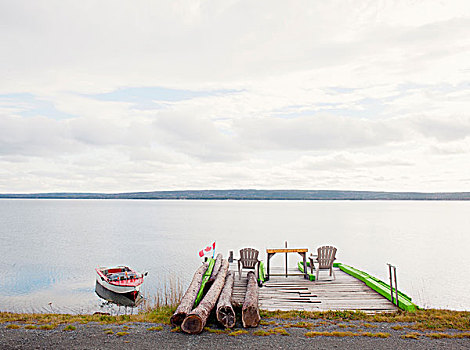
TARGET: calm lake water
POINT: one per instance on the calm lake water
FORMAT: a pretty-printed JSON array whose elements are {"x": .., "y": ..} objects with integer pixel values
[{"x": 50, "y": 247}]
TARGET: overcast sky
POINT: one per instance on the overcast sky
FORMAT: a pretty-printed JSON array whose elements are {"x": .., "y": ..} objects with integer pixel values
[{"x": 116, "y": 96}]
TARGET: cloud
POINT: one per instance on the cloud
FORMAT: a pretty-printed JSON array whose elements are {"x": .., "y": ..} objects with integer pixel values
[
  {"x": 208, "y": 94},
  {"x": 105, "y": 46},
  {"x": 448, "y": 128},
  {"x": 33, "y": 136},
  {"x": 347, "y": 161},
  {"x": 318, "y": 132}
]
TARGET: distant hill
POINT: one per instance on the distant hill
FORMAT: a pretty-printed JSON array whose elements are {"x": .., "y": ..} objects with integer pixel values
[{"x": 254, "y": 195}]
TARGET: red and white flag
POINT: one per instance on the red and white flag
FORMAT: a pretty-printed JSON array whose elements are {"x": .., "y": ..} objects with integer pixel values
[{"x": 207, "y": 250}]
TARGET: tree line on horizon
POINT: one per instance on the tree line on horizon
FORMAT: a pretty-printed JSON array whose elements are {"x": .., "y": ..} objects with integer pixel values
[{"x": 253, "y": 195}]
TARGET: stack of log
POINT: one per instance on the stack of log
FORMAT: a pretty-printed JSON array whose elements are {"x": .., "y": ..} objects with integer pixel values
[
  {"x": 187, "y": 302},
  {"x": 192, "y": 321}
]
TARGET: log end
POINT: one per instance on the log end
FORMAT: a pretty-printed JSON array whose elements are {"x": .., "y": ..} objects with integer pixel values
[
  {"x": 177, "y": 319},
  {"x": 250, "y": 317},
  {"x": 226, "y": 316},
  {"x": 192, "y": 324}
]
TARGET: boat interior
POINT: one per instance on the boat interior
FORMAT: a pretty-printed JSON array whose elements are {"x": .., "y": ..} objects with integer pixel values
[{"x": 120, "y": 274}]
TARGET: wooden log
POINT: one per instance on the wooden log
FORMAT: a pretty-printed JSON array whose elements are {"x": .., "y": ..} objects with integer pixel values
[
  {"x": 187, "y": 302},
  {"x": 250, "y": 310},
  {"x": 225, "y": 313},
  {"x": 196, "y": 320},
  {"x": 215, "y": 270}
]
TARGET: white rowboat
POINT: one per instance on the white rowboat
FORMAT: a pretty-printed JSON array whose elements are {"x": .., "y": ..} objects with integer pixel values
[{"x": 120, "y": 279}]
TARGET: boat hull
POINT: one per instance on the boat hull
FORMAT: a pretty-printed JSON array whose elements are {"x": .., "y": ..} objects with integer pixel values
[{"x": 120, "y": 299}]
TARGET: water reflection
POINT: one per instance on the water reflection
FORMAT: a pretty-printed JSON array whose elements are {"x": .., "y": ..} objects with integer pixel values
[{"x": 110, "y": 298}]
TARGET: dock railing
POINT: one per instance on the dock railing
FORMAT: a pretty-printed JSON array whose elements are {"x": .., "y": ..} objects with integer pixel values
[{"x": 392, "y": 273}]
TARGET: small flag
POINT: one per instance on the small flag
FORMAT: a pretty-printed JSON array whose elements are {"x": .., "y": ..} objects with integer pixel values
[{"x": 207, "y": 250}]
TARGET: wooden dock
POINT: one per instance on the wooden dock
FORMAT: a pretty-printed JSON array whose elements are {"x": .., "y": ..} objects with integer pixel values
[{"x": 296, "y": 293}]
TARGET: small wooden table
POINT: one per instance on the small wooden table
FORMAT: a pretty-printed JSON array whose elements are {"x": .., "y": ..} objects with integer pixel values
[{"x": 301, "y": 251}]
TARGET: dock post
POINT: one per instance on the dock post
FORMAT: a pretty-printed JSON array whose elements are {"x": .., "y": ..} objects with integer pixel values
[
  {"x": 285, "y": 243},
  {"x": 390, "y": 277},
  {"x": 396, "y": 285},
  {"x": 304, "y": 260},
  {"x": 266, "y": 278}
]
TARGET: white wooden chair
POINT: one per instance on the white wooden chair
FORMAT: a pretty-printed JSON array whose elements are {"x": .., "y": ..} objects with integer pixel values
[
  {"x": 248, "y": 260},
  {"x": 325, "y": 258}
]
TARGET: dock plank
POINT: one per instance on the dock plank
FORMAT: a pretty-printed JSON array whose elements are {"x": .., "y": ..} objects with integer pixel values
[{"x": 296, "y": 293}]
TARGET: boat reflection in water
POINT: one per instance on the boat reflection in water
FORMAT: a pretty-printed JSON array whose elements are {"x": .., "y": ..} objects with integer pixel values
[{"x": 120, "y": 299}]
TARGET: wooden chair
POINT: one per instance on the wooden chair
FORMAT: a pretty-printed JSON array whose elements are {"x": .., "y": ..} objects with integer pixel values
[
  {"x": 248, "y": 260},
  {"x": 325, "y": 258}
]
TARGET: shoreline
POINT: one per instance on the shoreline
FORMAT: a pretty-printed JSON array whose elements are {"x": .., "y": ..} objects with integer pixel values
[
  {"x": 435, "y": 318},
  {"x": 251, "y": 194}
]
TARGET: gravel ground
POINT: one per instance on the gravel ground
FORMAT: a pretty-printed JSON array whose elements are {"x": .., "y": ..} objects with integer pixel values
[{"x": 94, "y": 336}]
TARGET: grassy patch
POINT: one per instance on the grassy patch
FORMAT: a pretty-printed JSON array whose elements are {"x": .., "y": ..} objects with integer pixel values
[
  {"x": 237, "y": 333},
  {"x": 439, "y": 335},
  {"x": 267, "y": 323},
  {"x": 413, "y": 335},
  {"x": 397, "y": 327},
  {"x": 325, "y": 323},
  {"x": 108, "y": 331},
  {"x": 216, "y": 331},
  {"x": 429, "y": 319},
  {"x": 280, "y": 331},
  {"x": 347, "y": 325},
  {"x": 30, "y": 326},
  {"x": 261, "y": 333},
  {"x": 48, "y": 327},
  {"x": 13, "y": 326},
  {"x": 347, "y": 334},
  {"x": 326, "y": 315},
  {"x": 70, "y": 328},
  {"x": 301, "y": 324},
  {"x": 368, "y": 325},
  {"x": 161, "y": 314},
  {"x": 375, "y": 335},
  {"x": 330, "y": 334},
  {"x": 277, "y": 330},
  {"x": 156, "y": 328},
  {"x": 447, "y": 335},
  {"x": 121, "y": 334}
]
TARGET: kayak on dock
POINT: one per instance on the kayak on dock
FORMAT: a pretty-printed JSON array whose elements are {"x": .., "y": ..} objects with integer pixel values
[{"x": 120, "y": 279}]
